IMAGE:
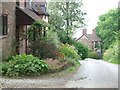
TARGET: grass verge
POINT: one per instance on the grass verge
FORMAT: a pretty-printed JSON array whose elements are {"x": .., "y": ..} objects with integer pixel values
[{"x": 68, "y": 71}]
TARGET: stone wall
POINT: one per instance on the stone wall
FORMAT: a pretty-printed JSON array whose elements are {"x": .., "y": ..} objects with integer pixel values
[
  {"x": 8, "y": 41},
  {"x": 0, "y": 31}
]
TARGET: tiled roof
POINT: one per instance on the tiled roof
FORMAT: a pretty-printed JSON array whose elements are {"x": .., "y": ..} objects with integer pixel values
[
  {"x": 93, "y": 37},
  {"x": 39, "y": 8}
]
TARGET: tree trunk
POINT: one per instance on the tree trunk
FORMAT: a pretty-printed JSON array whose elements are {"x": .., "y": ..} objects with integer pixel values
[{"x": 67, "y": 19}]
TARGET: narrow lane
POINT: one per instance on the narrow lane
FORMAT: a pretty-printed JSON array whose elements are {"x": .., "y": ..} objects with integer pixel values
[{"x": 95, "y": 74}]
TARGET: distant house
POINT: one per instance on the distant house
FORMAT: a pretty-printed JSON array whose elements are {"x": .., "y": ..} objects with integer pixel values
[
  {"x": 15, "y": 18},
  {"x": 92, "y": 41}
]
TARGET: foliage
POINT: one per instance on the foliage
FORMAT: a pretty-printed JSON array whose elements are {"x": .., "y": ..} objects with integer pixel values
[
  {"x": 93, "y": 54},
  {"x": 65, "y": 17},
  {"x": 42, "y": 49},
  {"x": 21, "y": 65},
  {"x": 107, "y": 28},
  {"x": 70, "y": 53},
  {"x": 53, "y": 38},
  {"x": 82, "y": 50},
  {"x": 35, "y": 30},
  {"x": 42, "y": 46},
  {"x": 68, "y": 40},
  {"x": 107, "y": 54},
  {"x": 46, "y": 46},
  {"x": 111, "y": 54}
]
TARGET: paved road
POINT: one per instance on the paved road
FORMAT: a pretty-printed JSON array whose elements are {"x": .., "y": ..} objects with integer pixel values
[
  {"x": 91, "y": 74},
  {"x": 95, "y": 74}
]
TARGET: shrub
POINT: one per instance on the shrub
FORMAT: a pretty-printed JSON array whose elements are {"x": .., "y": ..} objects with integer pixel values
[
  {"x": 93, "y": 54},
  {"x": 82, "y": 50},
  {"x": 21, "y": 65},
  {"x": 44, "y": 47},
  {"x": 70, "y": 53},
  {"x": 111, "y": 54},
  {"x": 107, "y": 54}
]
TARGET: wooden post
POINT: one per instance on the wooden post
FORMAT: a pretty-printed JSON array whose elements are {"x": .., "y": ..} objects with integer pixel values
[{"x": 17, "y": 39}]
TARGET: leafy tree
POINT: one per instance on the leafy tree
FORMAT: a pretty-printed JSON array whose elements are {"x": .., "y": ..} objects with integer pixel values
[
  {"x": 107, "y": 27},
  {"x": 65, "y": 17}
]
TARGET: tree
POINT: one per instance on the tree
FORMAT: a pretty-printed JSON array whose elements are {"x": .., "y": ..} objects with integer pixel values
[
  {"x": 65, "y": 17},
  {"x": 107, "y": 28}
]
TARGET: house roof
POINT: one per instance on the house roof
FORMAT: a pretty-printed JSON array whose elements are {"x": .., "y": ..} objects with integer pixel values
[
  {"x": 39, "y": 8},
  {"x": 91, "y": 37},
  {"x": 30, "y": 13},
  {"x": 26, "y": 17}
]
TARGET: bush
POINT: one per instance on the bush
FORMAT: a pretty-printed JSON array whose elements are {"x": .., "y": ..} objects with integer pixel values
[
  {"x": 45, "y": 47},
  {"x": 21, "y": 65},
  {"x": 107, "y": 54},
  {"x": 111, "y": 54},
  {"x": 93, "y": 54},
  {"x": 70, "y": 53},
  {"x": 42, "y": 49},
  {"x": 82, "y": 50}
]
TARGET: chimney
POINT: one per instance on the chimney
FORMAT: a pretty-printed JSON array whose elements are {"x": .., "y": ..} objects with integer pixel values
[
  {"x": 84, "y": 31},
  {"x": 94, "y": 31}
]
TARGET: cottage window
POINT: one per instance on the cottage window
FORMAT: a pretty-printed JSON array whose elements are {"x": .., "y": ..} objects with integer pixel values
[
  {"x": 1, "y": 24},
  {"x": 17, "y": 3},
  {"x": 5, "y": 23}
]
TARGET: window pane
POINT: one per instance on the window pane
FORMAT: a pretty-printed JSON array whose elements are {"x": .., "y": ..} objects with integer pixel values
[
  {"x": 1, "y": 24},
  {"x": 5, "y": 24}
]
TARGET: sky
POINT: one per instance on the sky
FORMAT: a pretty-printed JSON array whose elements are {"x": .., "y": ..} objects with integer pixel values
[{"x": 95, "y": 8}]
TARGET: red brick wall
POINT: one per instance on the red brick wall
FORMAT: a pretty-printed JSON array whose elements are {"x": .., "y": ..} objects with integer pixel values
[{"x": 86, "y": 42}]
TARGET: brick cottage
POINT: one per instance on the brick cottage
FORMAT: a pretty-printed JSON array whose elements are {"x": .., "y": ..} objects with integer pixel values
[{"x": 15, "y": 18}]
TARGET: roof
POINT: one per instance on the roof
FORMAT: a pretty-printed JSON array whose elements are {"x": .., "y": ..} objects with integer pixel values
[
  {"x": 91, "y": 37},
  {"x": 30, "y": 13},
  {"x": 39, "y": 8},
  {"x": 26, "y": 16}
]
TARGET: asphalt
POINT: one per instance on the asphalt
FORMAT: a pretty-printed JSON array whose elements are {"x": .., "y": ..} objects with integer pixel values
[
  {"x": 95, "y": 74},
  {"x": 91, "y": 74}
]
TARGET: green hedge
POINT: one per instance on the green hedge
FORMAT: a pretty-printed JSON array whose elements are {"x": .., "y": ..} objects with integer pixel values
[
  {"x": 93, "y": 54},
  {"x": 111, "y": 54}
]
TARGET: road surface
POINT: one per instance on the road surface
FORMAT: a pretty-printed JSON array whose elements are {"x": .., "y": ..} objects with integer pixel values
[
  {"x": 95, "y": 74},
  {"x": 91, "y": 74}
]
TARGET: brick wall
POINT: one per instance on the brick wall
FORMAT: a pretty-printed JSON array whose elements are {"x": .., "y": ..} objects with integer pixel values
[
  {"x": 86, "y": 42},
  {"x": 8, "y": 41}
]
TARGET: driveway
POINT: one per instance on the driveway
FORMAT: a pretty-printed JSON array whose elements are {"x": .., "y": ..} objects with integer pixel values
[{"x": 91, "y": 74}]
